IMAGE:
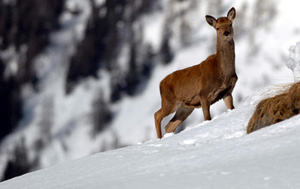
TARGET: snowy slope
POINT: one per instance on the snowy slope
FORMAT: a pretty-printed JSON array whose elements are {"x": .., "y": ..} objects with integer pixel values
[
  {"x": 214, "y": 154},
  {"x": 262, "y": 41}
]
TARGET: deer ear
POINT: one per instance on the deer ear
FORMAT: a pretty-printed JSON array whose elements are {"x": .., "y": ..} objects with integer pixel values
[
  {"x": 211, "y": 20},
  {"x": 231, "y": 14}
]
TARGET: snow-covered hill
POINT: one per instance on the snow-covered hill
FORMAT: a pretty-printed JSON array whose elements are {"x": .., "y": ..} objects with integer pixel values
[
  {"x": 214, "y": 154},
  {"x": 57, "y": 127}
]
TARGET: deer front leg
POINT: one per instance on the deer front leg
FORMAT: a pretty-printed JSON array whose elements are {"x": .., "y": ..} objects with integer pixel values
[
  {"x": 205, "y": 107},
  {"x": 228, "y": 102}
]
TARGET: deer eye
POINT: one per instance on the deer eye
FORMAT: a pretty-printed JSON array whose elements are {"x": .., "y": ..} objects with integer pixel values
[
  {"x": 217, "y": 28},
  {"x": 230, "y": 25}
]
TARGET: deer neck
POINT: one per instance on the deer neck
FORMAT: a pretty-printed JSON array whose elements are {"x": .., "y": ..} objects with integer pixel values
[{"x": 226, "y": 57}]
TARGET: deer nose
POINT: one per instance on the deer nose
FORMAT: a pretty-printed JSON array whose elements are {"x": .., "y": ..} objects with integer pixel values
[{"x": 226, "y": 33}]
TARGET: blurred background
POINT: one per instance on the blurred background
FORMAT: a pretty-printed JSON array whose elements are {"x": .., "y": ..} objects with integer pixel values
[{"x": 79, "y": 77}]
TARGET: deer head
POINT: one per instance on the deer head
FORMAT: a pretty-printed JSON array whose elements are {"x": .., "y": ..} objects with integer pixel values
[{"x": 223, "y": 25}]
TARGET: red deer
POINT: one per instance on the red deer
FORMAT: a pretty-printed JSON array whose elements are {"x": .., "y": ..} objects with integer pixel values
[
  {"x": 275, "y": 109},
  {"x": 203, "y": 84}
]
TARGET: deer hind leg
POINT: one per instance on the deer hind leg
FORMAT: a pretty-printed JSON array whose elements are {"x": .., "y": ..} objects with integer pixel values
[
  {"x": 228, "y": 102},
  {"x": 181, "y": 114},
  {"x": 167, "y": 109},
  {"x": 158, "y": 116}
]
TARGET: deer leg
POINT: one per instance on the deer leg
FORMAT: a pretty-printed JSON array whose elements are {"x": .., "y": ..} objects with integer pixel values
[
  {"x": 157, "y": 118},
  {"x": 181, "y": 114},
  {"x": 167, "y": 108},
  {"x": 205, "y": 107},
  {"x": 229, "y": 102}
]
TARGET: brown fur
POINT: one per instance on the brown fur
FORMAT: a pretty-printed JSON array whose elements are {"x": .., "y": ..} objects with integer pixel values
[
  {"x": 203, "y": 84},
  {"x": 294, "y": 96},
  {"x": 275, "y": 109}
]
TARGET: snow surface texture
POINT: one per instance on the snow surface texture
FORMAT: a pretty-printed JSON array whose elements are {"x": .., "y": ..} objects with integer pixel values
[
  {"x": 294, "y": 61},
  {"x": 214, "y": 154},
  {"x": 264, "y": 30}
]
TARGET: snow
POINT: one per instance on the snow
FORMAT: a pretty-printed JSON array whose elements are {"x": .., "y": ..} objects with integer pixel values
[
  {"x": 214, "y": 154},
  {"x": 294, "y": 61},
  {"x": 153, "y": 30},
  {"x": 217, "y": 150}
]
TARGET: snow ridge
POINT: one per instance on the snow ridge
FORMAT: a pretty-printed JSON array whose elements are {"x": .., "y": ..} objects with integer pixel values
[
  {"x": 214, "y": 154},
  {"x": 261, "y": 51}
]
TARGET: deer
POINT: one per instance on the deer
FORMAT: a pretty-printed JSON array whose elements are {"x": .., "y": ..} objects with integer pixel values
[{"x": 203, "y": 84}]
